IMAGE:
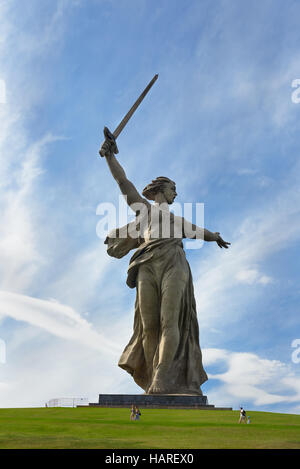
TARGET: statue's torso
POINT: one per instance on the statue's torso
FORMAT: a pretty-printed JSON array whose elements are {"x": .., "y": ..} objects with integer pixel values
[{"x": 159, "y": 223}]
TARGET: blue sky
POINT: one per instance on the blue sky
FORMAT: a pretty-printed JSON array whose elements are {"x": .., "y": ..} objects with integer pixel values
[{"x": 219, "y": 121}]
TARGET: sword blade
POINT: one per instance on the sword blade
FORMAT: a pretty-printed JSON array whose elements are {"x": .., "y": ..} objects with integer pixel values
[{"x": 126, "y": 118}]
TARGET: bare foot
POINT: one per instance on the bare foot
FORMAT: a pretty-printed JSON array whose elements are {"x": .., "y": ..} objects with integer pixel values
[{"x": 158, "y": 387}]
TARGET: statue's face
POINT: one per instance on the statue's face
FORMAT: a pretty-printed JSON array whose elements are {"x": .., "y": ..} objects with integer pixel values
[{"x": 170, "y": 192}]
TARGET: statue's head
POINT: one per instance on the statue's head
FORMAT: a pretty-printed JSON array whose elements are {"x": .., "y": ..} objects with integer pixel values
[{"x": 161, "y": 184}]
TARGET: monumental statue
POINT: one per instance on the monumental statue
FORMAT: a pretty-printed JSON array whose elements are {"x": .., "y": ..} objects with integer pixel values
[{"x": 163, "y": 355}]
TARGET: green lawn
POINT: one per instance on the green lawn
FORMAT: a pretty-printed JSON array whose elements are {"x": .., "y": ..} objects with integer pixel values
[{"x": 157, "y": 429}]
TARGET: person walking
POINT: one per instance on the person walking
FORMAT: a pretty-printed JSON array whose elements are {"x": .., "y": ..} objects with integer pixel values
[
  {"x": 137, "y": 413},
  {"x": 132, "y": 413},
  {"x": 242, "y": 415}
]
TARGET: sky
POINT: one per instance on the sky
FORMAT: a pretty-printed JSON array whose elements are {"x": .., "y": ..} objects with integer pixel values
[{"x": 222, "y": 121}]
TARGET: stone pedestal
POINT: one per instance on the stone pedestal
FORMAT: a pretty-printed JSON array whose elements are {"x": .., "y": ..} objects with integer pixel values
[{"x": 152, "y": 401}]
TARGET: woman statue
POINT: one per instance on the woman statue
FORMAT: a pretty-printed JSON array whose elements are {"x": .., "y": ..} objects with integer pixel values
[{"x": 163, "y": 355}]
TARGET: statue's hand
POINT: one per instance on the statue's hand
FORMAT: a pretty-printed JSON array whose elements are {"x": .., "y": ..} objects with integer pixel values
[
  {"x": 220, "y": 242},
  {"x": 106, "y": 148}
]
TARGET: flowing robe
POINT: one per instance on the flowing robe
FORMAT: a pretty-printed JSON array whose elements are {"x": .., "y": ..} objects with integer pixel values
[{"x": 160, "y": 263}]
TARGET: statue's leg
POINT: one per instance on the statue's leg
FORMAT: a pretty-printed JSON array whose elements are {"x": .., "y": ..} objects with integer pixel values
[
  {"x": 171, "y": 303},
  {"x": 149, "y": 310}
]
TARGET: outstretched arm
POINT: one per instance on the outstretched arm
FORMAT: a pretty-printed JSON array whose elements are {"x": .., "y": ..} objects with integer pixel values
[
  {"x": 127, "y": 187},
  {"x": 195, "y": 232}
]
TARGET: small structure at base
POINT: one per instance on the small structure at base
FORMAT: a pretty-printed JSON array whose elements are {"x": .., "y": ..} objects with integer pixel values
[{"x": 68, "y": 402}]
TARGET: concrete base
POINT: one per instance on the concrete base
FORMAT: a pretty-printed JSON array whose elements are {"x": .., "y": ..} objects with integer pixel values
[{"x": 154, "y": 401}]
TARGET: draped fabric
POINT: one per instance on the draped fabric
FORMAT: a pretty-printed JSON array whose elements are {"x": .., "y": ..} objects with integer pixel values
[
  {"x": 163, "y": 264},
  {"x": 186, "y": 373}
]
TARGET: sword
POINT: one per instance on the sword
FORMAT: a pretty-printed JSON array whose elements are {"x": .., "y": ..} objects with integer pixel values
[{"x": 112, "y": 136}]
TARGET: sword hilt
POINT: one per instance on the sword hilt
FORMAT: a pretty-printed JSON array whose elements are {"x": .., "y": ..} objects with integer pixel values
[{"x": 109, "y": 137}]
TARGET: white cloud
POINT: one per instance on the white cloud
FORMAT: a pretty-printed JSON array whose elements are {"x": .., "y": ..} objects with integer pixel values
[
  {"x": 38, "y": 369},
  {"x": 265, "y": 280},
  {"x": 246, "y": 171},
  {"x": 293, "y": 382},
  {"x": 252, "y": 276},
  {"x": 80, "y": 281},
  {"x": 19, "y": 255},
  {"x": 55, "y": 318},
  {"x": 250, "y": 378},
  {"x": 21, "y": 164},
  {"x": 55, "y": 352},
  {"x": 258, "y": 236},
  {"x": 48, "y": 31}
]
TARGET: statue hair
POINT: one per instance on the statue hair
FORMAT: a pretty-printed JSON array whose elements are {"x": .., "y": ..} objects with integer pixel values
[{"x": 157, "y": 185}]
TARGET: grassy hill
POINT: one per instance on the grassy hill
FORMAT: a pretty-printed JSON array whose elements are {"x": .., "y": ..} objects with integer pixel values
[{"x": 157, "y": 429}]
